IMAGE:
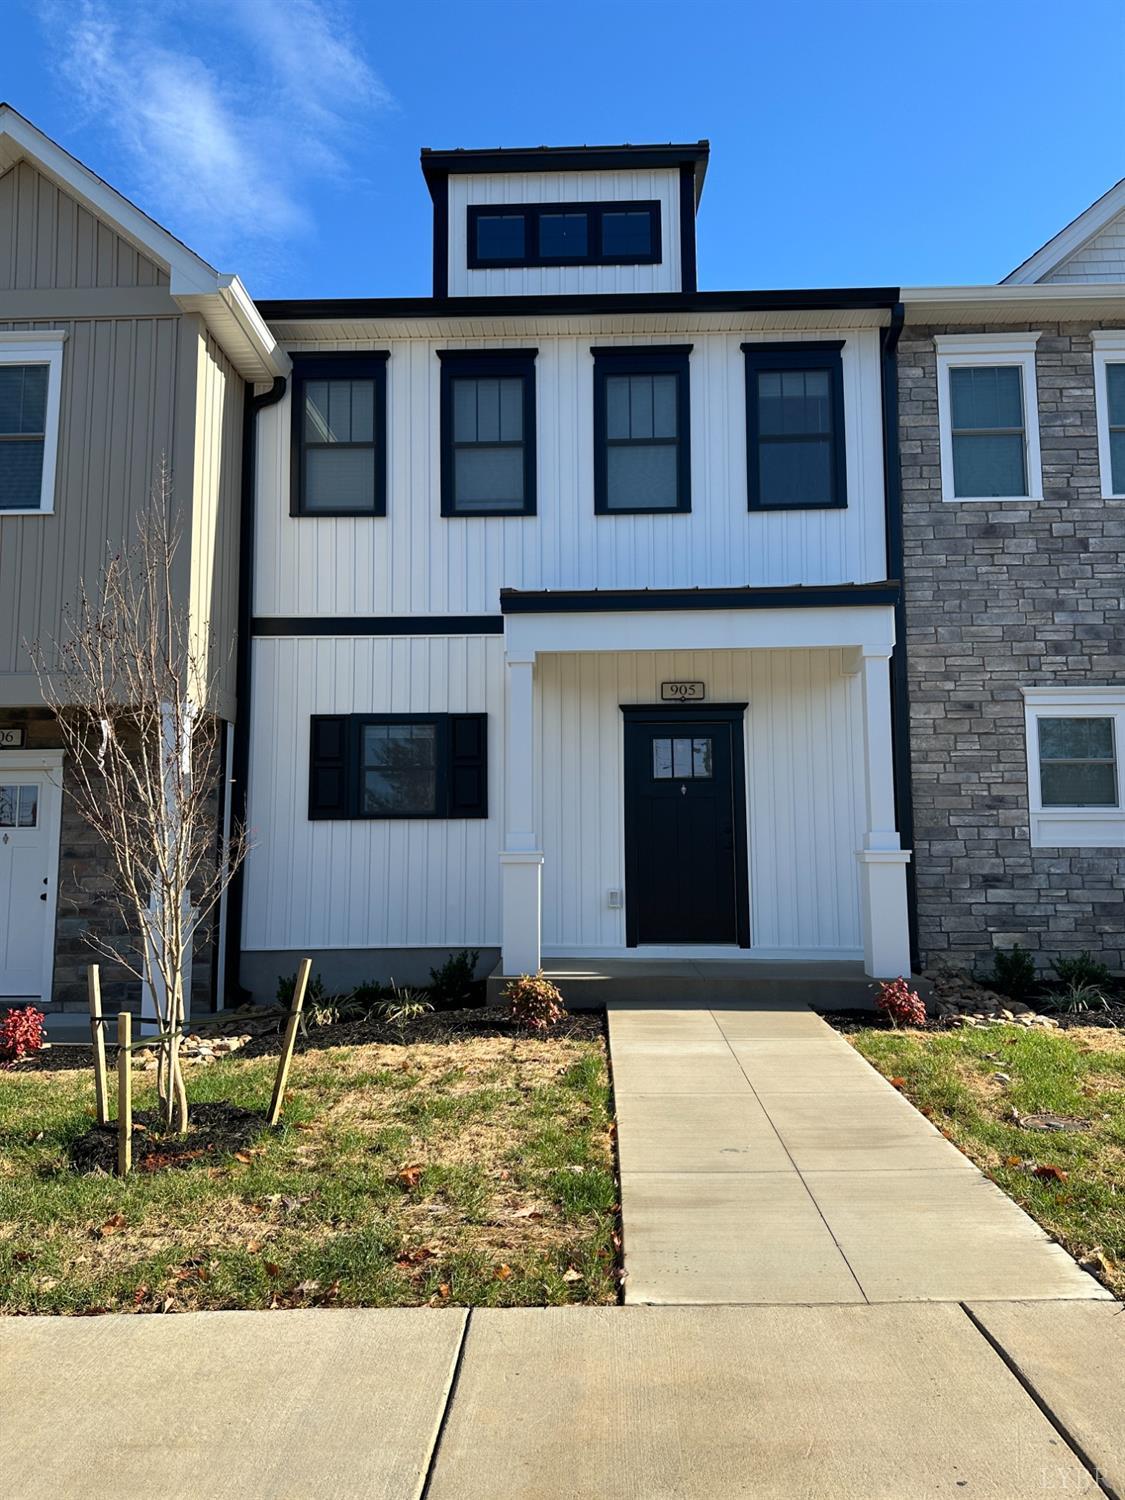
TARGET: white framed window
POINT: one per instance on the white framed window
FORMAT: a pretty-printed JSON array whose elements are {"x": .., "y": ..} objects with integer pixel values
[
  {"x": 988, "y": 417},
  {"x": 1075, "y": 775},
  {"x": 30, "y": 392},
  {"x": 1109, "y": 399}
]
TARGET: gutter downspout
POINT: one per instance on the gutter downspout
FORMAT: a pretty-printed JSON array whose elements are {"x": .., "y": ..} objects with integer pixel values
[
  {"x": 240, "y": 766},
  {"x": 900, "y": 682}
]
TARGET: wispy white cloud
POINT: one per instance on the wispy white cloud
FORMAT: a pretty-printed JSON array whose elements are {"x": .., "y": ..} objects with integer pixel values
[{"x": 223, "y": 111}]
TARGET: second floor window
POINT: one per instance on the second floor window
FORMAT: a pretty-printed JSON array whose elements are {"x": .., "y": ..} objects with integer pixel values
[
  {"x": 1109, "y": 394},
  {"x": 642, "y": 429},
  {"x": 795, "y": 426},
  {"x": 338, "y": 458},
  {"x": 30, "y": 384},
  {"x": 487, "y": 432},
  {"x": 988, "y": 417}
]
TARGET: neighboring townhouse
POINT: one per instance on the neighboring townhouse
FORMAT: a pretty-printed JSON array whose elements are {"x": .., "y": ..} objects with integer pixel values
[
  {"x": 118, "y": 346},
  {"x": 574, "y": 602},
  {"x": 1012, "y": 436}
]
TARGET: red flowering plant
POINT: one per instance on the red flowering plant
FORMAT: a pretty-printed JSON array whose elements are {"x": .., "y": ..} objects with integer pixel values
[
  {"x": 21, "y": 1034},
  {"x": 534, "y": 1002},
  {"x": 897, "y": 1000}
]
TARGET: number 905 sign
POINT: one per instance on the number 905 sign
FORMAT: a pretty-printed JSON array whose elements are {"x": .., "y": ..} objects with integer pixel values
[{"x": 682, "y": 692}]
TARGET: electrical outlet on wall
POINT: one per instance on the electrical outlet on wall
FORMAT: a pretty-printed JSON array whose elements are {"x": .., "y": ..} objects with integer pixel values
[{"x": 616, "y": 900}]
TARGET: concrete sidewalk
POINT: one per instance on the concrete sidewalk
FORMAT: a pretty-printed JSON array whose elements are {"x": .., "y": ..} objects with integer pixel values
[
  {"x": 764, "y": 1161},
  {"x": 617, "y": 1403}
]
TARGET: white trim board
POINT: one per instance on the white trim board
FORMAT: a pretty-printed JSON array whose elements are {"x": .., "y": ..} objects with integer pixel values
[
  {"x": 1109, "y": 349},
  {"x": 40, "y": 348},
  {"x": 1074, "y": 827},
  {"x": 1070, "y": 239},
  {"x": 1006, "y": 350}
]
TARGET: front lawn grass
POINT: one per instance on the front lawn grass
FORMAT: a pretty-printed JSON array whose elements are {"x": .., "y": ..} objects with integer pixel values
[
  {"x": 1078, "y": 1074},
  {"x": 473, "y": 1170}
]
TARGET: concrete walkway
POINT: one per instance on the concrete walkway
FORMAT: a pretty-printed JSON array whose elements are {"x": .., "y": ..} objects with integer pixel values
[
  {"x": 616, "y": 1403},
  {"x": 764, "y": 1161}
]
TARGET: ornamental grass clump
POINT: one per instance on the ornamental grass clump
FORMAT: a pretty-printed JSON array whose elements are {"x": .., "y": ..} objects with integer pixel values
[
  {"x": 21, "y": 1034},
  {"x": 534, "y": 1002},
  {"x": 897, "y": 1000}
]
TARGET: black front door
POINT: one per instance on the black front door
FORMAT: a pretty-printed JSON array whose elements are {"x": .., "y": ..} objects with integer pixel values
[{"x": 685, "y": 826}]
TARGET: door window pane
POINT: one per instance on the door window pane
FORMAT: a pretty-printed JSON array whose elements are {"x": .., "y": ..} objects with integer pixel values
[
  {"x": 661, "y": 759},
  {"x": 500, "y": 237},
  {"x": 681, "y": 759},
  {"x": 701, "y": 757},
  {"x": 626, "y": 233},
  {"x": 1077, "y": 762},
  {"x": 399, "y": 768},
  {"x": 989, "y": 449},
  {"x": 19, "y": 806}
]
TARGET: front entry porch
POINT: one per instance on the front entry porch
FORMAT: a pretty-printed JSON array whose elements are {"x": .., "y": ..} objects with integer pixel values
[{"x": 757, "y": 824}]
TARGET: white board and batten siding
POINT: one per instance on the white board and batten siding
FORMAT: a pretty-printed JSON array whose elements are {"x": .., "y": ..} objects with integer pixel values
[
  {"x": 394, "y": 884},
  {"x": 414, "y": 561},
  {"x": 660, "y": 185}
]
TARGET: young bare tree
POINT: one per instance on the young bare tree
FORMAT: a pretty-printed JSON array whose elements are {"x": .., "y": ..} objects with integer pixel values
[{"x": 131, "y": 681}]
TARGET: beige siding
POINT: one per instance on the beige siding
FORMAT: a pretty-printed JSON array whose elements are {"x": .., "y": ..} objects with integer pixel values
[
  {"x": 118, "y": 416},
  {"x": 215, "y": 515},
  {"x": 48, "y": 241}
]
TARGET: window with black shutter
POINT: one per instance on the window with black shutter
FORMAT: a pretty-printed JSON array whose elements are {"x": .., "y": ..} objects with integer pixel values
[{"x": 398, "y": 766}]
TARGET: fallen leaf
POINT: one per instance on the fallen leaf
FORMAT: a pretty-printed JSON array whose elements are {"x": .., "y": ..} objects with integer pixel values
[
  {"x": 898, "y": 1083},
  {"x": 409, "y": 1176},
  {"x": 253, "y": 1246},
  {"x": 570, "y": 1274},
  {"x": 527, "y": 1213},
  {"x": 112, "y": 1226},
  {"x": 168, "y": 1304},
  {"x": 272, "y": 1268},
  {"x": 140, "y": 1294},
  {"x": 503, "y": 1272},
  {"x": 307, "y": 1286},
  {"x": 445, "y": 1290},
  {"x": 244, "y": 1157},
  {"x": 1012, "y": 1161},
  {"x": 1046, "y": 1169},
  {"x": 21, "y": 1257}
]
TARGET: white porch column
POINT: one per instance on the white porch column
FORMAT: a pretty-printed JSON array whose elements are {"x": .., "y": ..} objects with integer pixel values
[
  {"x": 521, "y": 860},
  {"x": 882, "y": 861}
]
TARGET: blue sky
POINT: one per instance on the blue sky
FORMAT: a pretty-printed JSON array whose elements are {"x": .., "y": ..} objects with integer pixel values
[{"x": 853, "y": 143}]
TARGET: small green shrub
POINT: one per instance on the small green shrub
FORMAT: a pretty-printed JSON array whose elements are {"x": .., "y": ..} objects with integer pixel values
[
  {"x": 1082, "y": 968},
  {"x": 1075, "y": 999},
  {"x": 287, "y": 988},
  {"x": 1013, "y": 972},
  {"x": 534, "y": 1002},
  {"x": 451, "y": 981},
  {"x": 335, "y": 1011}
]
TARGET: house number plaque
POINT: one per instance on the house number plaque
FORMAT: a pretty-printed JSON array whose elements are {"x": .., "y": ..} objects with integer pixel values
[
  {"x": 11, "y": 739},
  {"x": 682, "y": 692}
]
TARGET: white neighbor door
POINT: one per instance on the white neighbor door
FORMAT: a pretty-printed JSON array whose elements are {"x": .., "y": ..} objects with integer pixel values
[{"x": 30, "y": 803}]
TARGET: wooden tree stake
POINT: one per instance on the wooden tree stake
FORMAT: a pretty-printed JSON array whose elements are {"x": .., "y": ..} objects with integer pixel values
[
  {"x": 97, "y": 1037},
  {"x": 124, "y": 1093},
  {"x": 290, "y": 1040}
]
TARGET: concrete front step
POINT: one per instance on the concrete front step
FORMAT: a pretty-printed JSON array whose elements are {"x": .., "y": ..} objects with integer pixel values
[{"x": 590, "y": 983}]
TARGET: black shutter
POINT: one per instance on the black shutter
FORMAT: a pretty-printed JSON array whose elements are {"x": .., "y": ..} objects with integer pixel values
[
  {"x": 328, "y": 767},
  {"x": 468, "y": 766}
]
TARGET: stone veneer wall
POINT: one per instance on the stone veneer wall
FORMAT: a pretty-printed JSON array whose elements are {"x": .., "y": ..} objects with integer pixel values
[
  {"x": 84, "y": 899},
  {"x": 998, "y": 598}
]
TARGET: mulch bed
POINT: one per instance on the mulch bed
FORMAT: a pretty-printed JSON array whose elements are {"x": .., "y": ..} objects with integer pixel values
[
  {"x": 212, "y": 1130},
  {"x": 850, "y": 1021}
]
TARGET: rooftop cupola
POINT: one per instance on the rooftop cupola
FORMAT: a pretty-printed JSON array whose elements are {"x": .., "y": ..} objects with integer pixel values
[{"x": 551, "y": 220}]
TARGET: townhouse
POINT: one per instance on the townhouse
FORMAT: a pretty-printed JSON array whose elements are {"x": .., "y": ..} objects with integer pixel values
[
  {"x": 119, "y": 348},
  {"x": 1012, "y": 436},
  {"x": 574, "y": 601}
]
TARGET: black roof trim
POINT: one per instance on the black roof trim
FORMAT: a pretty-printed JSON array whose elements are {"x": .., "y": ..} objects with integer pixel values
[
  {"x": 796, "y": 596},
  {"x": 809, "y": 299},
  {"x": 439, "y": 164}
]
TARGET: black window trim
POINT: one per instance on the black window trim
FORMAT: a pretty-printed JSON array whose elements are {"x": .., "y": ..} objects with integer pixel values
[
  {"x": 444, "y": 759},
  {"x": 595, "y": 213},
  {"x": 475, "y": 363},
  {"x": 825, "y": 354},
  {"x": 643, "y": 359},
  {"x": 366, "y": 364}
]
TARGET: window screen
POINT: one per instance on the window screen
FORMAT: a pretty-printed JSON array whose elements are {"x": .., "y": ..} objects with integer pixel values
[
  {"x": 23, "y": 426},
  {"x": 1077, "y": 762},
  {"x": 987, "y": 422}
]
